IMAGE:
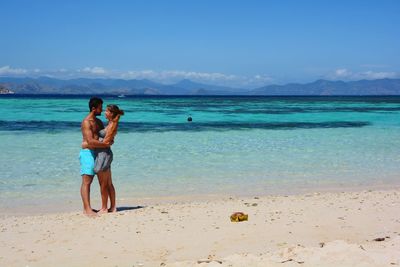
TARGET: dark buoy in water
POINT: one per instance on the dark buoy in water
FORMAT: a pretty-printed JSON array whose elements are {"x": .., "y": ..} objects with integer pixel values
[{"x": 189, "y": 119}]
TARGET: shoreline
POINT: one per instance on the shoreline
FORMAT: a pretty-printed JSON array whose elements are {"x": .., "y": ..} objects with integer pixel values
[
  {"x": 52, "y": 206},
  {"x": 320, "y": 228}
]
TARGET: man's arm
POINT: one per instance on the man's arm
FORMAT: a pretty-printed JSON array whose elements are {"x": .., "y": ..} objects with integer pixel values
[{"x": 88, "y": 136}]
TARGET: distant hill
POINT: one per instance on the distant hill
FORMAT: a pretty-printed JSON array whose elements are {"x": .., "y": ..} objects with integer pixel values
[
  {"x": 46, "y": 85},
  {"x": 86, "y": 86},
  {"x": 324, "y": 87},
  {"x": 206, "y": 89}
]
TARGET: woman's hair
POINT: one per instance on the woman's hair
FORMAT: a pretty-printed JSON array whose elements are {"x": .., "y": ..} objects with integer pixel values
[{"x": 114, "y": 109}]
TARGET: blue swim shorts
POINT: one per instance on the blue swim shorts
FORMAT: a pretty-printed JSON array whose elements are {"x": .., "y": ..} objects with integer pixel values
[{"x": 86, "y": 158}]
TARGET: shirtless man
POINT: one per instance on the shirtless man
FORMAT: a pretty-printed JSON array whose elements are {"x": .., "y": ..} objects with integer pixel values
[{"x": 90, "y": 128}]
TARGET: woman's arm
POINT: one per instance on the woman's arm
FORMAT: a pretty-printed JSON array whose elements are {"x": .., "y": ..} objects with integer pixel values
[
  {"x": 111, "y": 130},
  {"x": 88, "y": 140}
]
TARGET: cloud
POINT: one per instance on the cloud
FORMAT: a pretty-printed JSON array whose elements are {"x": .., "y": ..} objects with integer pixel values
[
  {"x": 172, "y": 76},
  {"x": 94, "y": 70},
  {"x": 164, "y": 76},
  {"x": 342, "y": 73},
  {"x": 260, "y": 78},
  {"x": 7, "y": 70},
  {"x": 345, "y": 74},
  {"x": 176, "y": 74},
  {"x": 378, "y": 75}
]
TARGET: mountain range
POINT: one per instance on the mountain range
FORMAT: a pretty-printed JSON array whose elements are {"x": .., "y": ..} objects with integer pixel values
[{"x": 88, "y": 86}]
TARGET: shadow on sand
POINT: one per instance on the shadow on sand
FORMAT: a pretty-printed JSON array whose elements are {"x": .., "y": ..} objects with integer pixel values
[{"x": 129, "y": 208}]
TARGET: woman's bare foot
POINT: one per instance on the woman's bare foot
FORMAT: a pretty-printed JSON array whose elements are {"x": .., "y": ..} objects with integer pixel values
[
  {"x": 101, "y": 211},
  {"x": 89, "y": 213},
  {"x": 112, "y": 210}
]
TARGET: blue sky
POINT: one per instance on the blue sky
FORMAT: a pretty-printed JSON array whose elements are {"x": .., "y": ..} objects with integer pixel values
[{"x": 236, "y": 43}]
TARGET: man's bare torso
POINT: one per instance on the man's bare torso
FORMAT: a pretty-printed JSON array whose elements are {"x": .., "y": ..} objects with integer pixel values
[{"x": 95, "y": 125}]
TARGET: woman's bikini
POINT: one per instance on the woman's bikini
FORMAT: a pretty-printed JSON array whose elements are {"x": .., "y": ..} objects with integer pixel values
[{"x": 104, "y": 156}]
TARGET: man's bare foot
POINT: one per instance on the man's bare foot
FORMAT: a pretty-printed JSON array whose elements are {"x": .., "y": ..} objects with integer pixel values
[
  {"x": 112, "y": 210},
  {"x": 101, "y": 211},
  {"x": 89, "y": 213}
]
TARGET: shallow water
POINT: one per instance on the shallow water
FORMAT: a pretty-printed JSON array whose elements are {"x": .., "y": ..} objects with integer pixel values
[{"x": 235, "y": 145}]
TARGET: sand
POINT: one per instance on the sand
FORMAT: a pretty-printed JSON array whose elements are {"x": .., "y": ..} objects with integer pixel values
[{"x": 315, "y": 229}]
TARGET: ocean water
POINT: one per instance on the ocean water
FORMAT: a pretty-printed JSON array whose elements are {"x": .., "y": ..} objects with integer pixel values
[{"x": 234, "y": 145}]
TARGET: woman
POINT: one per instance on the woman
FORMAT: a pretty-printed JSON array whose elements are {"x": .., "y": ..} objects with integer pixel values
[{"x": 104, "y": 157}]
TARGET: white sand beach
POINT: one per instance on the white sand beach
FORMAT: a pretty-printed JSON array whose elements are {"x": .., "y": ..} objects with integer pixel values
[{"x": 315, "y": 229}]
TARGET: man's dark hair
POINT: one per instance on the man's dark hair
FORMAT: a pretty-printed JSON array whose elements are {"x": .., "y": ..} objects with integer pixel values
[{"x": 94, "y": 102}]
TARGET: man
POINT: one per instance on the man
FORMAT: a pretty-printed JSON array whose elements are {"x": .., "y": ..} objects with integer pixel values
[{"x": 90, "y": 128}]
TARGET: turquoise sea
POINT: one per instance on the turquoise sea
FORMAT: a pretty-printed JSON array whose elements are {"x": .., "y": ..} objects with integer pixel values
[{"x": 233, "y": 146}]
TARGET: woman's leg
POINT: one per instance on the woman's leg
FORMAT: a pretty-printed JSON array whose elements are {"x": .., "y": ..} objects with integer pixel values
[
  {"x": 111, "y": 193},
  {"x": 103, "y": 181}
]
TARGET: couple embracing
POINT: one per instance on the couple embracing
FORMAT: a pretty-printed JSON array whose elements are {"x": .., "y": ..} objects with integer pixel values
[{"x": 96, "y": 156}]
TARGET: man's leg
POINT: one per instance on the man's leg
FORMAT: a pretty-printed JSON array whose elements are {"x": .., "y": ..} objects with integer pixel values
[
  {"x": 103, "y": 177},
  {"x": 85, "y": 194}
]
